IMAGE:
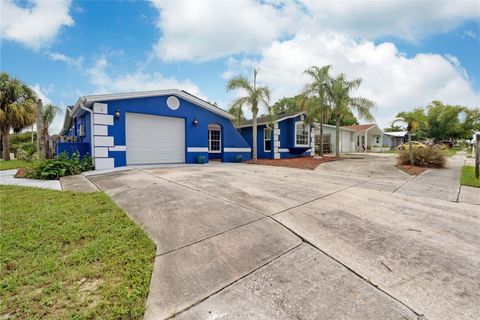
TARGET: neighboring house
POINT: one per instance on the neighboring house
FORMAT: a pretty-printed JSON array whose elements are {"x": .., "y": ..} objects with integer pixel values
[
  {"x": 396, "y": 138},
  {"x": 162, "y": 126},
  {"x": 281, "y": 137},
  {"x": 347, "y": 138},
  {"x": 368, "y": 137}
]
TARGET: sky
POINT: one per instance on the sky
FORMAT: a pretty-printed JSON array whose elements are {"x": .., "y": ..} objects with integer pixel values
[{"x": 408, "y": 53}]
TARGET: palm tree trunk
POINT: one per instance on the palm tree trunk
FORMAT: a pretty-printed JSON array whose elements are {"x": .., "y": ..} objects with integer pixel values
[
  {"x": 337, "y": 137},
  {"x": 254, "y": 135},
  {"x": 321, "y": 135},
  {"x": 5, "y": 144}
]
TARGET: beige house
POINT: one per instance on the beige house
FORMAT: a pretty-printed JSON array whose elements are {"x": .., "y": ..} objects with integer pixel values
[{"x": 368, "y": 138}]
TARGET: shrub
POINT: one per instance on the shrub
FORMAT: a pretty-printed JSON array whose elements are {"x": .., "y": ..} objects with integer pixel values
[
  {"x": 26, "y": 151},
  {"x": 62, "y": 165},
  {"x": 430, "y": 157}
]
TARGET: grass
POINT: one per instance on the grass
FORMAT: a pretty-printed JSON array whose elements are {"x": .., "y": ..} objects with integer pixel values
[
  {"x": 14, "y": 164},
  {"x": 452, "y": 151},
  {"x": 468, "y": 177},
  {"x": 70, "y": 255}
]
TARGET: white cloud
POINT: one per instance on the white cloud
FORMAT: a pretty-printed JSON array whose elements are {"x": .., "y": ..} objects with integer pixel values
[
  {"x": 42, "y": 93},
  {"x": 36, "y": 24},
  {"x": 206, "y": 30},
  {"x": 106, "y": 82},
  {"x": 75, "y": 62},
  {"x": 392, "y": 80}
]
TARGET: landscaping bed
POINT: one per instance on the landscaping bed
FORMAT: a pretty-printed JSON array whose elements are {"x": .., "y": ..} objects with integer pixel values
[
  {"x": 412, "y": 170},
  {"x": 70, "y": 256},
  {"x": 309, "y": 163}
]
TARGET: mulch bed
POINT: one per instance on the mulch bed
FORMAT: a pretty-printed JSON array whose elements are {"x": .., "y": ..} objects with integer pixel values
[
  {"x": 308, "y": 163},
  {"x": 22, "y": 172},
  {"x": 411, "y": 170}
]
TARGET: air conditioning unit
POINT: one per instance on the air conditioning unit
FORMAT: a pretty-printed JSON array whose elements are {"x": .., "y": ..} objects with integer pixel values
[{"x": 81, "y": 130}]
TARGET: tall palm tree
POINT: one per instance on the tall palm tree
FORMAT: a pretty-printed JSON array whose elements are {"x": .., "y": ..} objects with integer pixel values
[
  {"x": 253, "y": 98},
  {"x": 416, "y": 121},
  {"x": 17, "y": 109},
  {"x": 315, "y": 99},
  {"x": 339, "y": 92}
]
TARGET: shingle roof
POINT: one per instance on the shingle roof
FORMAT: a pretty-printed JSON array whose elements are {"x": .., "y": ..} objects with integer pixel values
[{"x": 360, "y": 127}]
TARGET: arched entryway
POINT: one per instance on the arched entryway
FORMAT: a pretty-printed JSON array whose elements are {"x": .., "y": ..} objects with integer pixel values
[{"x": 215, "y": 142}]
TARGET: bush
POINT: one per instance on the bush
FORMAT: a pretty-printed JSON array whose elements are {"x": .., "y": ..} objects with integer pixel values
[
  {"x": 430, "y": 157},
  {"x": 26, "y": 151},
  {"x": 62, "y": 165}
]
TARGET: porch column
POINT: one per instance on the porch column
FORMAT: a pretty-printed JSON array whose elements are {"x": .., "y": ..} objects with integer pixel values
[{"x": 366, "y": 141}]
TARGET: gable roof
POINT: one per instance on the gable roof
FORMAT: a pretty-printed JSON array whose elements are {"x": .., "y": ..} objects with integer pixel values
[
  {"x": 88, "y": 101},
  {"x": 396, "y": 133},
  {"x": 360, "y": 127},
  {"x": 267, "y": 119}
]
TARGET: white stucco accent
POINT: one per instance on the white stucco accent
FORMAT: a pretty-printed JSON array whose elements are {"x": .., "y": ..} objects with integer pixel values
[
  {"x": 276, "y": 156},
  {"x": 106, "y": 119},
  {"x": 283, "y": 150},
  {"x": 276, "y": 131},
  {"x": 197, "y": 149},
  {"x": 275, "y": 125},
  {"x": 118, "y": 148},
  {"x": 104, "y": 163},
  {"x": 100, "y": 108},
  {"x": 103, "y": 141},
  {"x": 100, "y": 130},
  {"x": 237, "y": 150},
  {"x": 101, "y": 152}
]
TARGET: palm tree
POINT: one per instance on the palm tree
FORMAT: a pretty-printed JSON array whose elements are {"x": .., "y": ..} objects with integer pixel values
[
  {"x": 314, "y": 97},
  {"x": 237, "y": 113},
  {"x": 339, "y": 92},
  {"x": 416, "y": 121},
  {"x": 254, "y": 96},
  {"x": 49, "y": 113},
  {"x": 17, "y": 109}
]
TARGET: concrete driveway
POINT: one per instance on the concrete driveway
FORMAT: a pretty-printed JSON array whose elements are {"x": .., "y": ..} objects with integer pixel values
[{"x": 238, "y": 241}]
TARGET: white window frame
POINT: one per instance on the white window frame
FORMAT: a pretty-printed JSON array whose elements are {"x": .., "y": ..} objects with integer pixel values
[
  {"x": 306, "y": 127},
  {"x": 219, "y": 141},
  {"x": 265, "y": 139}
]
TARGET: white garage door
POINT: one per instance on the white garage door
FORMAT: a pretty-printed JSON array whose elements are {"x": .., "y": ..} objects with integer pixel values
[
  {"x": 346, "y": 137},
  {"x": 154, "y": 139}
]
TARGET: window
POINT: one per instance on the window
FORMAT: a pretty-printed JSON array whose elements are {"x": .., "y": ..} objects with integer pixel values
[
  {"x": 377, "y": 140},
  {"x": 301, "y": 134},
  {"x": 267, "y": 139},
  {"x": 214, "y": 141}
]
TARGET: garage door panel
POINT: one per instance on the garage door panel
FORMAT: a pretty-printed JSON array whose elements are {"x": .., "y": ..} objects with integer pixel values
[{"x": 154, "y": 139}]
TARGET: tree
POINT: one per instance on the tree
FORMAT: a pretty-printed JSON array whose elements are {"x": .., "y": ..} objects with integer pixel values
[
  {"x": 347, "y": 119},
  {"x": 416, "y": 121},
  {"x": 17, "y": 108},
  {"x": 314, "y": 97},
  {"x": 451, "y": 122},
  {"x": 254, "y": 96},
  {"x": 393, "y": 128},
  {"x": 286, "y": 105},
  {"x": 237, "y": 112},
  {"x": 339, "y": 92},
  {"x": 49, "y": 113}
]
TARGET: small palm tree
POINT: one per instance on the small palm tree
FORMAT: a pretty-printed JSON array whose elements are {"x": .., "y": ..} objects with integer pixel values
[
  {"x": 339, "y": 92},
  {"x": 253, "y": 98},
  {"x": 238, "y": 115},
  {"x": 416, "y": 121},
  {"x": 315, "y": 99},
  {"x": 49, "y": 113},
  {"x": 17, "y": 109}
]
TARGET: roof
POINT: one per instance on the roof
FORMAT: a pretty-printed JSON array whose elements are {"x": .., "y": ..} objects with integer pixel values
[
  {"x": 317, "y": 125},
  {"x": 67, "y": 121},
  {"x": 89, "y": 100},
  {"x": 360, "y": 127},
  {"x": 397, "y": 133},
  {"x": 267, "y": 119}
]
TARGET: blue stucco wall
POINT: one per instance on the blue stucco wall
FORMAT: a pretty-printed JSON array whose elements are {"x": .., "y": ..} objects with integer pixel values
[
  {"x": 70, "y": 148},
  {"x": 287, "y": 139}
]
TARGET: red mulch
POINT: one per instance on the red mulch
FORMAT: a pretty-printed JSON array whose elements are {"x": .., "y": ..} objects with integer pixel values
[
  {"x": 309, "y": 163},
  {"x": 21, "y": 173},
  {"x": 412, "y": 170}
]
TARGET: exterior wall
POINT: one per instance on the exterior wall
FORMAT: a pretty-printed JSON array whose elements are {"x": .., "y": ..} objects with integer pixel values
[
  {"x": 346, "y": 137},
  {"x": 247, "y": 134},
  {"x": 110, "y": 132}
]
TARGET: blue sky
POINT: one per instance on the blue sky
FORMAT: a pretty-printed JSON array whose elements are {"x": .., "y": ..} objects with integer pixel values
[{"x": 407, "y": 52}]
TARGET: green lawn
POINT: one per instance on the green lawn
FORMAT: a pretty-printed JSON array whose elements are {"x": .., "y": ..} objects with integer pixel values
[
  {"x": 468, "y": 177},
  {"x": 14, "y": 164},
  {"x": 70, "y": 255},
  {"x": 452, "y": 151}
]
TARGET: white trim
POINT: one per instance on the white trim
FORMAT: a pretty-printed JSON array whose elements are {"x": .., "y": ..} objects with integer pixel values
[
  {"x": 99, "y": 118},
  {"x": 283, "y": 150},
  {"x": 275, "y": 122},
  {"x": 265, "y": 140},
  {"x": 103, "y": 141},
  {"x": 100, "y": 130},
  {"x": 197, "y": 149},
  {"x": 101, "y": 152},
  {"x": 118, "y": 148},
  {"x": 276, "y": 156},
  {"x": 237, "y": 150},
  {"x": 88, "y": 100},
  {"x": 100, "y": 108},
  {"x": 295, "y": 134},
  {"x": 219, "y": 129}
]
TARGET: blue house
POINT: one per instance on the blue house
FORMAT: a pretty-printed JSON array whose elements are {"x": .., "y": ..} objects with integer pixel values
[
  {"x": 162, "y": 126},
  {"x": 282, "y": 137}
]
